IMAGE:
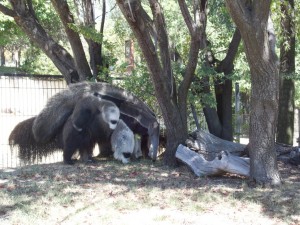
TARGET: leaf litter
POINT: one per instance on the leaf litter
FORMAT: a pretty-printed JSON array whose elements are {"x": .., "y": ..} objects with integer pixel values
[{"x": 142, "y": 192}]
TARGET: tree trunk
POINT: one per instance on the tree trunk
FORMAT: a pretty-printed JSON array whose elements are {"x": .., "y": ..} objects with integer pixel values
[
  {"x": 25, "y": 18},
  {"x": 213, "y": 156},
  {"x": 95, "y": 49},
  {"x": 259, "y": 41},
  {"x": 223, "y": 91},
  {"x": 62, "y": 8},
  {"x": 223, "y": 94},
  {"x": 211, "y": 115},
  {"x": 285, "y": 125},
  {"x": 220, "y": 121},
  {"x": 197, "y": 30}
]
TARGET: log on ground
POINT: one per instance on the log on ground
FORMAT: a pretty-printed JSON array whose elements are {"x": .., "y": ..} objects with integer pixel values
[
  {"x": 223, "y": 163},
  {"x": 210, "y": 145}
]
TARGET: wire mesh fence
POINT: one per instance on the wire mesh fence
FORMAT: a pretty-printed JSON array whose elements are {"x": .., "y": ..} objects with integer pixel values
[{"x": 21, "y": 97}]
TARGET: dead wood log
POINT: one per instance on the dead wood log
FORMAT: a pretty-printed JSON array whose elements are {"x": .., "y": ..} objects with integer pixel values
[
  {"x": 208, "y": 155},
  {"x": 294, "y": 157},
  {"x": 288, "y": 154},
  {"x": 209, "y": 145},
  {"x": 223, "y": 163}
]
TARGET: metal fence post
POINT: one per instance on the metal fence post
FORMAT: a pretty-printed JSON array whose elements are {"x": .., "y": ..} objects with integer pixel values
[{"x": 237, "y": 112}]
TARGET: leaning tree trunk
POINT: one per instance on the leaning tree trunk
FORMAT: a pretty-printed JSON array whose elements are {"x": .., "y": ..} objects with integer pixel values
[
  {"x": 26, "y": 20},
  {"x": 259, "y": 42},
  {"x": 67, "y": 19}
]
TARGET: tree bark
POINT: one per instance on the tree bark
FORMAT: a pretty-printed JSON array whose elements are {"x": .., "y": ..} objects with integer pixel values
[
  {"x": 62, "y": 8},
  {"x": 212, "y": 118},
  {"x": 25, "y": 18},
  {"x": 223, "y": 91},
  {"x": 95, "y": 49},
  {"x": 285, "y": 125},
  {"x": 223, "y": 94},
  {"x": 251, "y": 19},
  {"x": 220, "y": 121}
]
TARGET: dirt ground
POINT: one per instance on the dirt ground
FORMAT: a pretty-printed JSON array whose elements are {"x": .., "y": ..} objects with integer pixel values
[{"x": 142, "y": 192}]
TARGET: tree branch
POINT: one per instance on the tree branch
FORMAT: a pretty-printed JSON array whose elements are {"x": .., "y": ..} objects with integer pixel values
[
  {"x": 186, "y": 16},
  {"x": 7, "y": 11},
  {"x": 142, "y": 30},
  {"x": 103, "y": 17},
  {"x": 159, "y": 22},
  {"x": 30, "y": 7},
  {"x": 36, "y": 33},
  {"x": 62, "y": 8},
  {"x": 226, "y": 65},
  {"x": 198, "y": 40}
]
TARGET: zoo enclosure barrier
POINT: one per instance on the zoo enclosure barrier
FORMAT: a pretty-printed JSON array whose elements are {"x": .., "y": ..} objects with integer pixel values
[{"x": 22, "y": 97}]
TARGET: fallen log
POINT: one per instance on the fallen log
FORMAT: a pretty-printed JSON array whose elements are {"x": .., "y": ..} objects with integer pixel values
[
  {"x": 289, "y": 155},
  {"x": 225, "y": 162},
  {"x": 295, "y": 158},
  {"x": 209, "y": 145},
  {"x": 208, "y": 155}
]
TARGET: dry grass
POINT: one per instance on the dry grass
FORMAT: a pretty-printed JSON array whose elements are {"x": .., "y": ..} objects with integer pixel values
[{"x": 141, "y": 193}]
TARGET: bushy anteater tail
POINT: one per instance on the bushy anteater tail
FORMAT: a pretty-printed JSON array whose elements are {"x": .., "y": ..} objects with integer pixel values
[{"x": 29, "y": 149}]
